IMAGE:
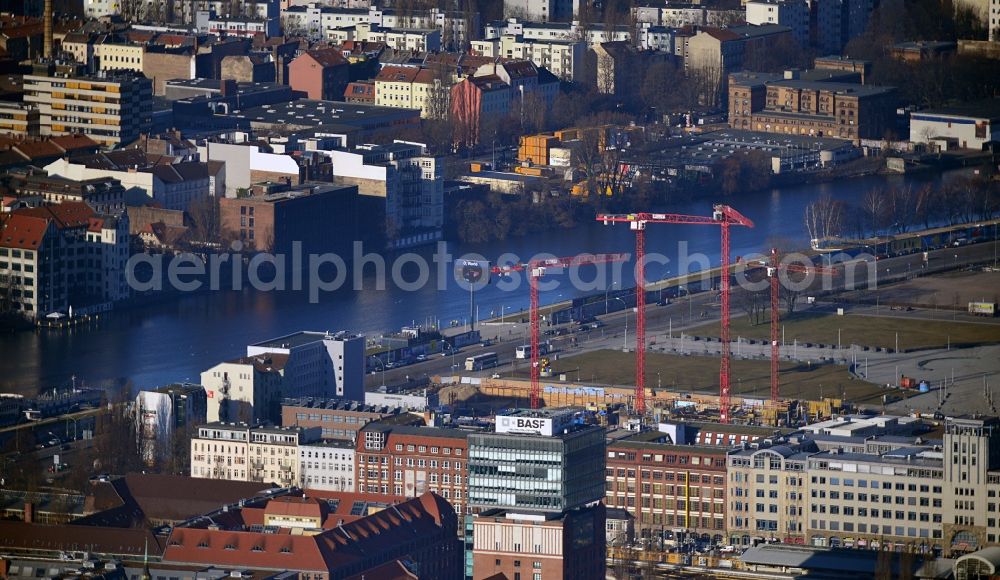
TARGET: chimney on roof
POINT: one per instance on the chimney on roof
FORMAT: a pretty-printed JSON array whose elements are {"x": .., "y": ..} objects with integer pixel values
[
  {"x": 47, "y": 29},
  {"x": 29, "y": 507},
  {"x": 228, "y": 87}
]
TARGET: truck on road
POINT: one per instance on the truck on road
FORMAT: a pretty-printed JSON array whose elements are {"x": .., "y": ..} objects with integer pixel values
[{"x": 983, "y": 308}]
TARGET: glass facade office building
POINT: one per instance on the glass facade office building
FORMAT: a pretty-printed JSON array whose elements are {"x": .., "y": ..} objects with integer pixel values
[{"x": 535, "y": 472}]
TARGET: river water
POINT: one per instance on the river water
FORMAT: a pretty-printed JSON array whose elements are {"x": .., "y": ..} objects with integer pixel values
[{"x": 175, "y": 341}]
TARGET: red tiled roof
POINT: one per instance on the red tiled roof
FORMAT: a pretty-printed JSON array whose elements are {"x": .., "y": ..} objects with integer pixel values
[
  {"x": 360, "y": 90},
  {"x": 394, "y": 570},
  {"x": 75, "y": 142},
  {"x": 397, "y": 74},
  {"x": 359, "y": 541},
  {"x": 70, "y": 214},
  {"x": 721, "y": 34},
  {"x": 304, "y": 507},
  {"x": 326, "y": 57},
  {"x": 72, "y": 538},
  {"x": 23, "y": 232},
  {"x": 39, "y": 149}
]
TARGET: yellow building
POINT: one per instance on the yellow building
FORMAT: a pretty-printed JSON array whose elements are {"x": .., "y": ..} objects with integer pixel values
[
  {"x": 409, "y": 87},
  {"x": 111, "y": 109}
]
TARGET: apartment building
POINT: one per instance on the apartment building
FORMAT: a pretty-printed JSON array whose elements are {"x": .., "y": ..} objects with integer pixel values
[
  {"x": 563, "y": 58},
  {"x": 170, "y": 185},
  {"x": 404, "y": 177},
  {"x": 208, "y": 21},
  {"x": 543, "y": 10},
  {"x": 111, "y": 108},
  {"x": 105, "y": 195},
  {"x": 453, "y": 30},
  {"x": 592, "y": 34},
  {"x": 319, "y": 363},
  {"x": 993, "y": 20},
  {"x": 399, "y": 462},
  {"x": 30, "y": 283},
  {"x": 496, "y": 91},
  {"x": 791, "y": 13},
  {"x": 320, "y": 74},
  {"x": 316, "y": 19},
  {"x": 107, "y": 243},
  {"x": 712, "y": 53},
  {"x": 242, "y": 452},
  {"x": 56, "y": 256},
  {"x": 666, "y": 487},
  {"x": 409, "y": 87},
  {"x": 327, "y": 465},
  {"x": 19, "y": 119},
  {"x": 255, "y": 8},
  {"x": 456, "y": 28},
  {"x": 338, "y": 418},
  {"x": 105, "y": 52},
  {"x": 246, "y": 389}
]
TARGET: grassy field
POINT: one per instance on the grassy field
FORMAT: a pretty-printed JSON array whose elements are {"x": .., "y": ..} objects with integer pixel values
[
  {"x": 695, "y": 373},
  {"x": 873, "y": 331}
]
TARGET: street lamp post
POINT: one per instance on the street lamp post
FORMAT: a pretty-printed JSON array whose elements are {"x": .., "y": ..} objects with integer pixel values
[
  {"x": 381, "y": 364},
  {"x": 625, "y": 347},
  {"x": 606, "y": 290}
]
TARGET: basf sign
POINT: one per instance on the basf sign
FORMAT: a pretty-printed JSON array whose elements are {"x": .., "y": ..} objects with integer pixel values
[
  {"x": 519, "y": 423},
  {"x": 524, "y": 425}
]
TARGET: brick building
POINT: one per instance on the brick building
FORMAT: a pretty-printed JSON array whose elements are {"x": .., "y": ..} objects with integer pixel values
[
  {"x": 339, "y": 419},
  {"x": 570, "y": 546},
  {"x": 401, "y": 462},
  {"x": 668, "y": 487},
  {"x": 320, "y": 74},
  {"x": 276, "y": 216},
  {"x": 817, "y": 104},
  {"x": 282, "y": 536}
]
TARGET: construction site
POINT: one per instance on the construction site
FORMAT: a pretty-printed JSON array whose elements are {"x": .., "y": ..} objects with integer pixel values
[{"x": 839, "y": 351}]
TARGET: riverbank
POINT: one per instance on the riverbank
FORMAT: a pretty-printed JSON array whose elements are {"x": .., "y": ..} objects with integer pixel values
[{"x": 175, "y": 340}]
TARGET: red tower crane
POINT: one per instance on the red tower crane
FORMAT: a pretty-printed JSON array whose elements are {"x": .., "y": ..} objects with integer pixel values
[
  {"x": 535, "y": 270},
  {"x": 773, "y": 268},
  {"x": 723, "y": 216}
]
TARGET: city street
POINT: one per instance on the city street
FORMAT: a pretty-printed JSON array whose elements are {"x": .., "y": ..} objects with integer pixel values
[{"x": 664, "y": 322}]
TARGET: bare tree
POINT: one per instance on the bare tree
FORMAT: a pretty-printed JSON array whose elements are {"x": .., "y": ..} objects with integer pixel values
[
  {"x": 824, "y": 218},
  {"x": 438, "y": 101},
  {"x": 754, "y": 303},
  {"x": 924, "y": 205},
  {"x": 875, "y": 207},
  {"x": 603, "y": 164},
  {"x": 205, "y": 220},
  {"x": 901, "y": 209},
  {"x": 117, "y": 438},
  {"x": 132, "y": 10}
]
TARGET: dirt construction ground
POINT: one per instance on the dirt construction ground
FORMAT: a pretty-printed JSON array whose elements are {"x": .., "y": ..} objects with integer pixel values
[{"x": 955, "y": 289}]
